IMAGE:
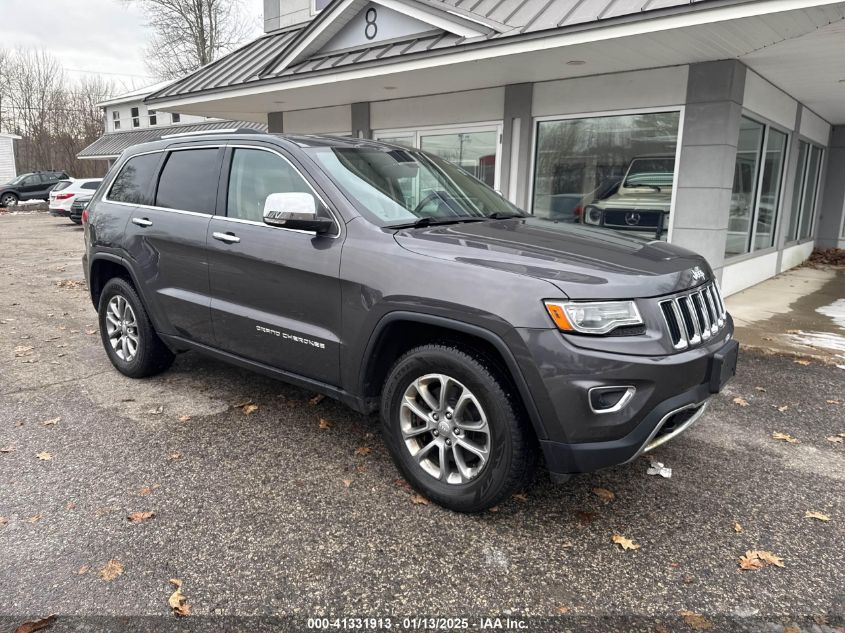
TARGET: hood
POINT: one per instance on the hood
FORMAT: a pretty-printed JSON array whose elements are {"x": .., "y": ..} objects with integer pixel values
[{"x": 584, "y": 263}]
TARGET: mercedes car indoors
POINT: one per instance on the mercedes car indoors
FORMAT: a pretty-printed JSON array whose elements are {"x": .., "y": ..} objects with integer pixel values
[{"x": 397, "y": 283}]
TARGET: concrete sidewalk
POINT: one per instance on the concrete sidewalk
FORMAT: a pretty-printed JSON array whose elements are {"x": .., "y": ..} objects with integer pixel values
[{"x": 799, "y": 313}]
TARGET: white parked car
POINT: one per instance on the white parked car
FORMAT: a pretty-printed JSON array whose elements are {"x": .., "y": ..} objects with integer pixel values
[{"x": 64, "y": 193}]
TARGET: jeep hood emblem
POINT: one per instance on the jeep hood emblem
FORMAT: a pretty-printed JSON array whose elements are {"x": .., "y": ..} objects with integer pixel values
[{"x": 697, "y": 274}]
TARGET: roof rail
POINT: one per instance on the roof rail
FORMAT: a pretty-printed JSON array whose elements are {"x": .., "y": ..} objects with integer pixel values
[{"x": 230, "y": 130}]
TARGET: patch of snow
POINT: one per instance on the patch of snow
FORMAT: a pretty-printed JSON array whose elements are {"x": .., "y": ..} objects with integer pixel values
[{"x": 835, "y": 311}]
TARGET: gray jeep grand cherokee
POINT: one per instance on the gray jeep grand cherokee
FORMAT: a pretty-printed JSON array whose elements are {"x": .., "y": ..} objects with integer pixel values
[{"x": 394, "y": 281}]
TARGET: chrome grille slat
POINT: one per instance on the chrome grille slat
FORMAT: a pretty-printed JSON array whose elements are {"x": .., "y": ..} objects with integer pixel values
[{"x": 694, "y": 316}]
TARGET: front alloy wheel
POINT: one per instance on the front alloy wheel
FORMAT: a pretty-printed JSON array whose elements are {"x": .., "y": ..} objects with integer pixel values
[
  {"x": 445, "y": 428},
  {"x": 9, "y": 200},
  {"x": 456, "y": 428}
]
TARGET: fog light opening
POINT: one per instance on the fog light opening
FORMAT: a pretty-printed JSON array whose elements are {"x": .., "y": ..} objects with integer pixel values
[{"x": 610, "y": 399}]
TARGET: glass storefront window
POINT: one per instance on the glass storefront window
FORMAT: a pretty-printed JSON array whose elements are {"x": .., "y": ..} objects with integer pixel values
[
  {"x": 473, "y": 148},
  {"x": 745, "y": 186},
  {"x": 607, "y": 171},
  {"x": 805, "y": 192},
  {"x": 767, "y": 208}
]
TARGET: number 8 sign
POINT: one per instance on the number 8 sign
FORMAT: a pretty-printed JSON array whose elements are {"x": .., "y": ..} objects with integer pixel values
[{"x": 371, "y": 29}]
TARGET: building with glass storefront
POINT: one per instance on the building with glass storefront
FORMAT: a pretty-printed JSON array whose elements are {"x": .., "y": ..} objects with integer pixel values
[{"x": 716, "y": 124}]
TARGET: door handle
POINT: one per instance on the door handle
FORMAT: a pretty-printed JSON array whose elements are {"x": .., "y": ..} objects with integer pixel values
[
  {"x": 142, "y": 222},
  {"x": 229, "y": 238}
]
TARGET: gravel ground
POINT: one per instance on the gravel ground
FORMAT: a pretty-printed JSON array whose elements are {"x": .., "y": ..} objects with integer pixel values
[{"x": 269, "y": 515}]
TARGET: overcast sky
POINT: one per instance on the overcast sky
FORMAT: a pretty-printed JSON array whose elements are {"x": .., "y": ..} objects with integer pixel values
[{"x": 90, "y": 36}]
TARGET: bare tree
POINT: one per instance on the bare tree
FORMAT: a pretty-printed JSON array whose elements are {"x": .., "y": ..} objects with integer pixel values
[
  {"x": 56, "y": 118},
  {"x": 189, "y": 34}
]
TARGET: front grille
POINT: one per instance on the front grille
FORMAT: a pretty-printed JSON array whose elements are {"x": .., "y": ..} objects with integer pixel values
[
  {"x": 632, "y": 218},
  {"x": 694, "y": 317}
]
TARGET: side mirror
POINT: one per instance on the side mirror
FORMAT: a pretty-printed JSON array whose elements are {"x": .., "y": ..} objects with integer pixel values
[{"x": 296, "y": 211}]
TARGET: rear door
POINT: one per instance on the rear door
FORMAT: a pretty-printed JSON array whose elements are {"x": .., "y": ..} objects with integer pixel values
[
  {"x": 166, "y": 238},
  {"x": 275, "y": 291},
  {"x": 31, "y": 187}
]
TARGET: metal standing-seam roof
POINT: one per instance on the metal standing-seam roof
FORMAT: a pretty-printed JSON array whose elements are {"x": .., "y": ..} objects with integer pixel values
[
  {"x": 253, "y": 63},
  {"x": 113, "y": 144}
]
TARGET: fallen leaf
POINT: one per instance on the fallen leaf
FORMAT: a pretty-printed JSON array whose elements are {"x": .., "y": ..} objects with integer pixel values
[
  {"x": 784, "y": 437},
  {"x": 176, "y": 455},
  {"x": 70, "y": 505},
  {"x": 750, "y": 562},
  {"x": 148, "y": 490},
  {"x": 737, "y": 528},
  {"x": 832, "y": 401},
  {"x": 836, "y": 439},
  {"x": 36, "y": 518},
  {"x": 156, "y": 410},
  {"x": 44, "y": 456},
  {"x": 36, "y": 625},
  {"x": 83, "y": 570},
  {"x": 90, "y": 332},
  {"x": 585, "y": 517},
  {"x": 811, "y": 514},
  {"x": 112, "y": 570},
  {"x": 4, "y": 521},
  {"x": 696, "y": 621},
  {"x": 140, "y": 517},
  {"x": 419, "y": 500},
  {"x": 177, "y": 601},
  {"x": 184, "y": 418},
  {"x": 522, "y": 498},
  {"x": 493, "y": 509},
  {"x": 604, "y": 494},
  {"x": 249, "y": 409},
  {"x": 8, "y": 449},
  {"x": 401, "y": 483},
  {"x": 51, "y": 421},
  {"x": 770, "y": 558},
  {"x": 801, "y": 361},
  {"x": 783, "y": 408},
  {"x": 325, "y": 424},
  {"x": 23, "y": 350},
  {"x": 791, "y": 629},
  {"x": 755, "y": 559},
  {"x": 363, "y": 450},
  {"x": 763, "y": 389},
  {"x": 347, "y": 483},
  {"x": 740, "y": 401},
  {"x": 624, "y": 543},
  {"x": 316, "y": 400},
  {"x": 563, "y": 610}
]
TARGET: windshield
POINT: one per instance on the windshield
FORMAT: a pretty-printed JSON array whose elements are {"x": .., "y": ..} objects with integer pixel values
[
  {"x": 397, "y": 186},
  {"x": 16, "y": 181},
  {"x": 651, "y": 172}
]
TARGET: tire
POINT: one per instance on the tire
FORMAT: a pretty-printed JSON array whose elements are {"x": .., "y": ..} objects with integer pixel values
[
  {"x": 75, "y": 221},
  {"x": 8, "y": 200},
  {"x": 149, "y": 355},
  {"x": 511, "y": 446}
]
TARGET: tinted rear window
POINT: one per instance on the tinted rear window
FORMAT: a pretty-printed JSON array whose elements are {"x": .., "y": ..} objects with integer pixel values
[
  {"x": 91, "y": 185},
  {"x": 189, "y": 181},
  {"x": 61, "y": 185},
  {"x": 133, "y": 183}
]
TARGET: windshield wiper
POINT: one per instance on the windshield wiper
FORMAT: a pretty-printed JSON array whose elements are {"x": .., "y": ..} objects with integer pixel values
[
  {"x": 431, "y": 222},
  {"x": 498, "y": 215}
]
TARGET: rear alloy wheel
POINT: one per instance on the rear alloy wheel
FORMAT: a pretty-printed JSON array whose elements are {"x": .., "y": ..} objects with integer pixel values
[
  {"x": 455, "y": 428},
  {"x": 8, "y": 200},
  {"x": 128, "y": 336}
]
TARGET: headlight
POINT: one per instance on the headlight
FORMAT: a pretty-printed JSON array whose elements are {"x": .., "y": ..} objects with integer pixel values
[
  {"x": 593, "y": 317},
  {"x": 592, "y": 215}
]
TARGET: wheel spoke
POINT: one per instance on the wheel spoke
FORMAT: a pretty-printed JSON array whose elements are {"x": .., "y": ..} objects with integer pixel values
[
  {"x": 472, "y": 447},
  {"x": 426, "y": 395},
  {"x": 444, "y": 463},
  {"x": 414, "y": 408},
  {"x": 425, "y": 450},
  {"x": 463, "y": 470},
  {"x": 112, "y": 320},
  {"x": 445, "y": 382}
]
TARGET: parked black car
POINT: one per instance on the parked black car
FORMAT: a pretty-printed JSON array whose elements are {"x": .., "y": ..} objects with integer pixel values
[
  {"x": 80, "y": 203},
  {"x": 394, "y": 281},
  {"x": 32, "y": 186}
]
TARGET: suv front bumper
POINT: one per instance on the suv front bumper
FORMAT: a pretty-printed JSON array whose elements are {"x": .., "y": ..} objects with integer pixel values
[{"x": 671, "y": 394}]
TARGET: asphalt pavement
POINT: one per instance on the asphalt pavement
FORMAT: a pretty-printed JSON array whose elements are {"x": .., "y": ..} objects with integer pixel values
[{"x": 273, "y": 514}]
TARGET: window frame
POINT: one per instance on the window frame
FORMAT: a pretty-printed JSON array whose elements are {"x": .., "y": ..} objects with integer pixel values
[
  {"x": 417, "y": 132},
  {"x": 135, "y": 115},
  {"x": 163, "y": 164},
  {"x": 107, "y": 191},
  {"x": 175, "y": 117},
  {"x": 115, "y": 119},
  {"x": 223, "y": 191},
  {"x": 152, "y": 117},
  {"x": 535, "y": 133}
]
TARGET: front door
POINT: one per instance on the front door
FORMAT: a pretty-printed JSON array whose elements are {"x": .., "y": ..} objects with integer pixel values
[
  {"x": 275, "y": 292},
  {"x": 166, "y": 236}
]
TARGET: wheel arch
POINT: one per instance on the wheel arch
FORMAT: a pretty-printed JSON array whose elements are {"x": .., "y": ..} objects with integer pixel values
[{"x": 397, "y": 332}]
